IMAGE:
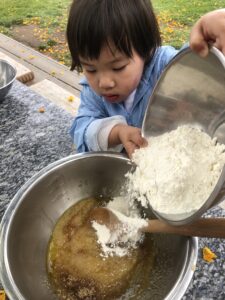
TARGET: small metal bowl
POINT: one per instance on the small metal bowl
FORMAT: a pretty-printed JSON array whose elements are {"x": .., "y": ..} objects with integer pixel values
[{"x": 7, "y": 77}]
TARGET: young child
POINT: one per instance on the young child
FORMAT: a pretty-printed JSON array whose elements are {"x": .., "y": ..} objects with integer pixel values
[{"x": 117, "y": 44}]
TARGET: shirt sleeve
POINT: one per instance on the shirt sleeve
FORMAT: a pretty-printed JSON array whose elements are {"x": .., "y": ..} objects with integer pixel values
[
  {"x": 164, "y": 56},
  {"x": 98, "y": 132},
  {"x": 91, "y": 108}
]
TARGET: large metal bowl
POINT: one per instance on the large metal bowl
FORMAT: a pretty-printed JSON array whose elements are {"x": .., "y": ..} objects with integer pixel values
[
  {"x": 7, "y": 77},
  {"x": 30, "y": 218}
]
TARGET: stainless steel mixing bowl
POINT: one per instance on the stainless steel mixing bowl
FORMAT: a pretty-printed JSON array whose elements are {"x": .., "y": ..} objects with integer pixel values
[
  {"x": 191, "y": 90},
  {"x": 7, "y": 77},
  {"x": 29, "y": 220}
]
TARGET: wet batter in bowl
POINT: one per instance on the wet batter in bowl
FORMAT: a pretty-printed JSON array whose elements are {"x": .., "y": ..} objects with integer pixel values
[{"x": 78, "y": 271}]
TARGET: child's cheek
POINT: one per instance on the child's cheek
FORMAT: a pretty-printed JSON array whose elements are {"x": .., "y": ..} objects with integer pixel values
[
  {"x": 92, "y": 82},
  {"x": 135, "y": 82}
]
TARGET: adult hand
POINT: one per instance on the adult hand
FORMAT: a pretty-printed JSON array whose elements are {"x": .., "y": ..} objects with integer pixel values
[
  {"x": 209, "y": 30},
  {"x": 129, "y": 136}
]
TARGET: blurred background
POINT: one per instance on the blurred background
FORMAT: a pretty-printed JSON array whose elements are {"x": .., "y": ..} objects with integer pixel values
[{"x": 41, "y": 24}]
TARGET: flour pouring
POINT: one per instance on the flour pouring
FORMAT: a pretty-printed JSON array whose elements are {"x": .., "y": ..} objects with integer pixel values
[
  {"x": 118, "y": 232},
  {"x": 178, "y": 171}
]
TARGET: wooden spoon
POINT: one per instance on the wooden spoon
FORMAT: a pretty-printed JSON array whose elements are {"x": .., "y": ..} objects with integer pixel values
[{"x": 209, "y": 227}]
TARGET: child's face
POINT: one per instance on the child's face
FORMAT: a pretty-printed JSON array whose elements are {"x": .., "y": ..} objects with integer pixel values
[{"x": 113, "y": 75}]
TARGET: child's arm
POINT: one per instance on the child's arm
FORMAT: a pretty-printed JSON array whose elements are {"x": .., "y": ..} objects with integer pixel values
[
  {"x": 94, "y": 130},
  {"x": 209, "y": 29},
  {"x": 127, "y": 135},
  {"x": 91, "y": 109}
]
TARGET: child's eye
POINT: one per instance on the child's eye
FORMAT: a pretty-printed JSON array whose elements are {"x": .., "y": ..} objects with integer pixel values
[
  {"x": 90, "y": 71},
  {"x": 119, "y": 69}
]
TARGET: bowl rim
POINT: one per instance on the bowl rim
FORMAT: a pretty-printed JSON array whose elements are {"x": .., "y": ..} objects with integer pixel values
[
  {"x": 13, "y": 70},
  {"x": 191, "y": 255}
]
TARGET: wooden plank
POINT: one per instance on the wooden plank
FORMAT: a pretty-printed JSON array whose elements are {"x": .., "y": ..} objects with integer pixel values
[
  {"x": 40, "y": 61},
  {"x": 57, "y": 95}
]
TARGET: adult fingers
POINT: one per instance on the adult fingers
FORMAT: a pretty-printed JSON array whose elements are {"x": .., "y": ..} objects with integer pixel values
[{"x": 198, "y": 40}]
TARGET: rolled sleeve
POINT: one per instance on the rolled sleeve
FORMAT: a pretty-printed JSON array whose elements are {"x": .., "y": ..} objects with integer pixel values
[
  {"x": 98, "y": 131},
  {"x": 91, "y": 109}
]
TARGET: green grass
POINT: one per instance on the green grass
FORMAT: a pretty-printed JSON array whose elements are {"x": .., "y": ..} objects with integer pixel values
[
  {"x": 187, "y": 11},
  {"x": 183, "y": 13},
  {"x": 176, "y": 17},
  {"x": 15, "y": 11},
  {"x": 50, "y": 16}
]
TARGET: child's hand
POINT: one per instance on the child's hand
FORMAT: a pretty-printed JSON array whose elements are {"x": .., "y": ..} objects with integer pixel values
[
  {"x": 129, "y": 136},
  {"x": 210, "y": 29}
]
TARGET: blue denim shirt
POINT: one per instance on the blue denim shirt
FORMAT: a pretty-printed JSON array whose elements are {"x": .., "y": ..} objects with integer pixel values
[{"x": 93, "y": 107}]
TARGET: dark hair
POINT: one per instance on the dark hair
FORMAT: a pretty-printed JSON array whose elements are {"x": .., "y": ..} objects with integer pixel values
[{"x": 126, "y": 23}]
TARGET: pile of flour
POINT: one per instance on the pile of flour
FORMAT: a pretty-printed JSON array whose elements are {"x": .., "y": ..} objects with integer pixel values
[
  {"x": 176, "y": 173},
  {"x": 178, "y": 170},
  {"x": 126, "y": 235}
]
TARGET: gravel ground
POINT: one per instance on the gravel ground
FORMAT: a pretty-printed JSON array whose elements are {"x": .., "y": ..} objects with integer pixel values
[{"x": 30, "y": 140}]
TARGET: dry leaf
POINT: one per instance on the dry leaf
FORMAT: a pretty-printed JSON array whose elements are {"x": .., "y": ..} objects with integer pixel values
[
  {"x": 2, "y": 295},
  {"x": 208, "y": 255},
  {"x": 70, "y": 98},
  {"x": 41, "y": 109}
]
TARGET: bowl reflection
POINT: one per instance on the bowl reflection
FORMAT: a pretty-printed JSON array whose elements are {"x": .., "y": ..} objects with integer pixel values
[
  {"x": 190, "y": 91},
  {"x": 7, "y": 77}
]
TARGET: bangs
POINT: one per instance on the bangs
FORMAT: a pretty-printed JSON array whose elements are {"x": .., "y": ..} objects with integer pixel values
[
  {"x": 120, "y": 23},
  {"x": 99, "y": 32}
]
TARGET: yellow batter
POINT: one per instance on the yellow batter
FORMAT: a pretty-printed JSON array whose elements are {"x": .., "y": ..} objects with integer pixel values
[{"x": 76, "y": 267}]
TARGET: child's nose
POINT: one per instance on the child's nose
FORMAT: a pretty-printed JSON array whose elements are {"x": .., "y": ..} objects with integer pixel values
[{"x": 106, "y": 82}]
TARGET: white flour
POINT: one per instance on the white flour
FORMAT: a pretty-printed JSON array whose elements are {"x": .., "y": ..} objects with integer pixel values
[
  {"x": 126, "y": 235},
  {"x": 177, "y": 172}
]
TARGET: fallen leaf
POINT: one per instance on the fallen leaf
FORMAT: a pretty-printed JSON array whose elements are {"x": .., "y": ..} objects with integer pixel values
[
  {"x": 41, "y": 109},
  {"x": 208, "y": 255},
  {"x": 31, "y": 57},
  {"x": 2, "y": 295},
  {"x": 70, "y": 98}
]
